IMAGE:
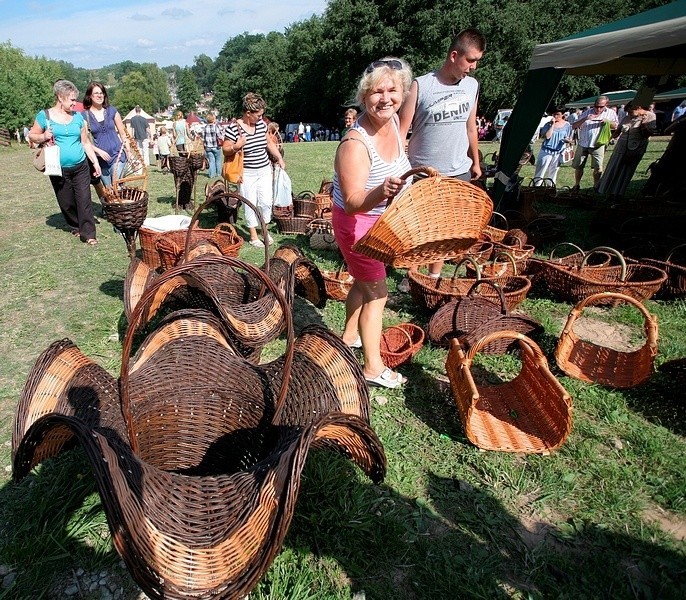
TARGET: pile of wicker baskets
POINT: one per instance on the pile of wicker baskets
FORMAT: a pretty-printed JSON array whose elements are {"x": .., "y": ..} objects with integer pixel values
[{"x": 197, "y": 453}]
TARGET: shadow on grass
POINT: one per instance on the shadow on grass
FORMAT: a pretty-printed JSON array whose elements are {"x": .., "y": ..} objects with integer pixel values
[
  {"x": 661, "y": 401},
  {"x": 457, "y": 541},
  {"x": 460, "y": 542}
]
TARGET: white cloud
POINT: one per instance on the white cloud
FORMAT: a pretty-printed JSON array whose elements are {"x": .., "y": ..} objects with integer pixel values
[{"x": 152, "y": 32}]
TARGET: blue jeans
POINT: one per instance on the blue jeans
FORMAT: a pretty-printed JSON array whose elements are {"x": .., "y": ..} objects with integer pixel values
[
  {"x": 108, "y": 171},
  {"x": 214, "y": 159}
]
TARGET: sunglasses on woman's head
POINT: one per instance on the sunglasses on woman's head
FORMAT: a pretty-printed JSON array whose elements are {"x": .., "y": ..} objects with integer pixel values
[{"x": 396, "y": 65}]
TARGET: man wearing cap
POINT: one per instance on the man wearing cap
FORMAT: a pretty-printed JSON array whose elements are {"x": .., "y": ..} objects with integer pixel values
[{"x": 588, "y": 127}]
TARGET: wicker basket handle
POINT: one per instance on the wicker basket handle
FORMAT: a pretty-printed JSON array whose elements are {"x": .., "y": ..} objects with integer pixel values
[
  {"x": 545, "y": 183},
  {"x": 649, "y": 320},
  {"x": 469, "y": 259},
  {"x": 673, "y": 250},
  {"x": 518, "y": 243},
  {"x": 134, "y": 162},
  {"x": 509, "y": 257},
  {"x": 428, "y": 171},
  {"x": 622, "y": 276},
  {"x": 504, "y": 310},
  {"x": 225, "y": 227},
  {"x": 507, "y": 334},
  {"x": 306, "y": 195},
  {"x": 343, "y": 267},
  {"x": 503, "y": 217},
  {"x": 187, "y": 270},
  {"x": 217, "y": 198},
  {"x": 552, "y": 251}
]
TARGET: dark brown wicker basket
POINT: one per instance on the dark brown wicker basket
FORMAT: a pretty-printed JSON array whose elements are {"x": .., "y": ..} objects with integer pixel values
[
  {"x": 675, "y": 285},
  {"x": 292, "y": 224},
  {"x": 126, "y": 210},
  {"x": 432, "y": 293},
  {"x": 399, "y": 343},
  {"x": 594, "y": 363},
  {"x": 198, "y": 473},
  {"x": 461, "y": 315},
  {"x": 305, "y": 207}
]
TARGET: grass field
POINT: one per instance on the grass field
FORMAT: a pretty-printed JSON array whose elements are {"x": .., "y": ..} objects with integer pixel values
[{"x": 602, "y": 517}]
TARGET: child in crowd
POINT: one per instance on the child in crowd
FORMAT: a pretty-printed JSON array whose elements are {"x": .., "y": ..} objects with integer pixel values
[
  {"x": 164, "y": 148},
  {"x": 155, "y": 149}
]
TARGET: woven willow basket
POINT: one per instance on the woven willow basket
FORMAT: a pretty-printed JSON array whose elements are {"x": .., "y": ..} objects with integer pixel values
[
  {"x": 436, "y": 218},
  {"x": 595, "y": 363},
  {"x": 531, "y": 413}
]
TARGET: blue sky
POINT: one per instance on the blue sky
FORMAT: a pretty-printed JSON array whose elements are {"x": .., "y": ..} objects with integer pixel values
[{"x": 92, "y": 35}]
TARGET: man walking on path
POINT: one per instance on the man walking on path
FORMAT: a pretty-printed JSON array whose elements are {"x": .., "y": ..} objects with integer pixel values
[
  {"x": 441, "y": 108},
  {"x": 141, "y": 134}
]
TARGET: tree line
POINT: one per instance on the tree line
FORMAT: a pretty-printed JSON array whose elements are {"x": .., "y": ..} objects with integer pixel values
[{"x": 309, "y": 72}]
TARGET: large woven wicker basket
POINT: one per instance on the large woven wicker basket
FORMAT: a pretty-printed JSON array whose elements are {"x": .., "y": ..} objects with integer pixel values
[
  {"x": 198, "y": 473},
  {"x": 640, "y": 281},
  {"x": 434, "y": 219},
  {"x": 531, "y": 413},
  {"x": 595, "y": 363}
]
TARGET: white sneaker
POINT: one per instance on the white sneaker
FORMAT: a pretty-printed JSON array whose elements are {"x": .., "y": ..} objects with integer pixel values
[
  {"x": 257, "y": 243},
  {"x": 270, "y": 240}
]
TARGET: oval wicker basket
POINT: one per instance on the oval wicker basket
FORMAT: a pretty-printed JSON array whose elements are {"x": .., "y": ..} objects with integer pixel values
[
  {"x": 434, "y": 219},
  {"x": 594, "y": 363},
  {"x": 338, "y": 283},
  {"x": 399, "y": 343}
]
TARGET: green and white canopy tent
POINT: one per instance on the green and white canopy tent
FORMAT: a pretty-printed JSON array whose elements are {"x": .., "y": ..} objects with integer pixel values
[
  {"x": 649, "y": 43},
  {"x": 613, "y": 99},
  {"x": 671, "y": 95}
]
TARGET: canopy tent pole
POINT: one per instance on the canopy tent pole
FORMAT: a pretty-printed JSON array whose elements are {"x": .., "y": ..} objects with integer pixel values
[{"x": 538, "y": 90}]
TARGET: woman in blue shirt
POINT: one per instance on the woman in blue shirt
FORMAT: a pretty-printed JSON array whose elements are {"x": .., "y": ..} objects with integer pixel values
[
  {"x": 62, "y": 126},
  {"x": 556, "y": 133}
]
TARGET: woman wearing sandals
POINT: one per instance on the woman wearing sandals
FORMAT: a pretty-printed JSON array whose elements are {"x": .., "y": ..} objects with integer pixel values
[
  {"x": 367, "y": 169},
  {"x": 67, "y": 129}
]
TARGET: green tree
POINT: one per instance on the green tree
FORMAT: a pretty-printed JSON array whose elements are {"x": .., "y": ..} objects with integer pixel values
[
  {"x": 222, "y": 96},
  {"x": 132, "y": 91},
  {"x": 25, "y": 86},
  {"x": 202, "y": 71},
  {"x": 188, "y": 92}
]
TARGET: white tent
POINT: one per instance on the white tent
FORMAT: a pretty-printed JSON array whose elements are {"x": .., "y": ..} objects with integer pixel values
[{"x": 132, "y": 113}]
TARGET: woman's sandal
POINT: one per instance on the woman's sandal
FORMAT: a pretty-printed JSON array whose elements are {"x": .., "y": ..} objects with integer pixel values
[
  {"x": 92, "y": 242},
  {"x": 388, "y": 379},
  {"x": 75, "y": 232}
]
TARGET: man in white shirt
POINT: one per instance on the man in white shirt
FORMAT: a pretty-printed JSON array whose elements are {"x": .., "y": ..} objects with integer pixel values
[{"x": 588, "y": 126}]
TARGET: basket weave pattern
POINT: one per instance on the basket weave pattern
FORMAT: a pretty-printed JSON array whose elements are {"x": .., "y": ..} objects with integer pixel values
[
  {"x": 400, "y": 343},
  {"x": 198, "y": 469},
  {"x": 532, "y": 413},
  {"x": 434, "y": 219},
  {"x": 595, "y": 363}
]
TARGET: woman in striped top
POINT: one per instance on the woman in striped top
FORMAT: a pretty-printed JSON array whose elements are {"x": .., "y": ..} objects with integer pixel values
[
  {"x": 369, "y": 162},
  {"x": 249, "y": 135}
]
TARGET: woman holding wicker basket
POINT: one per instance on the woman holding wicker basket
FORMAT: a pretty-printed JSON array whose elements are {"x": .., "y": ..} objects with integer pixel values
[{"x": 368, "y": 165}]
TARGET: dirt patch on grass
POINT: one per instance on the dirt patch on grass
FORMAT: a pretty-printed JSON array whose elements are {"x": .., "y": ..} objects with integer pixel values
[
  {"x": 670, "y": 523},
  {"x": 616, "y": 336}
]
